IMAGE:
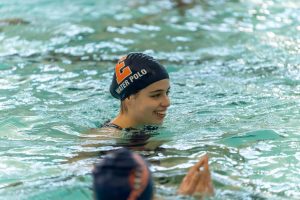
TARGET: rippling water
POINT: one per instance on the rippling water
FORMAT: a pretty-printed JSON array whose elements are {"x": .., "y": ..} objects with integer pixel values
[{"x": 235, "y": 74}]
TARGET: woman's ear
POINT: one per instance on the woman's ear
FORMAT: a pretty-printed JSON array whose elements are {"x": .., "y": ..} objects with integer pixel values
[
  {"x": 128, "y": 100},
  {"x": 131, "y": 100}
]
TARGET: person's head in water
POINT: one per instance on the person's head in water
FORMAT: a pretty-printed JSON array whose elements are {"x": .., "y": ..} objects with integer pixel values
[
  {"x": 142, "y": 85},
  {"x": 122, "y": 175}
]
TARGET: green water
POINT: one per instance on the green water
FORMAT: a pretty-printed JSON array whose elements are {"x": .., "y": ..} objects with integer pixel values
[{"x": 235, "y": 91}]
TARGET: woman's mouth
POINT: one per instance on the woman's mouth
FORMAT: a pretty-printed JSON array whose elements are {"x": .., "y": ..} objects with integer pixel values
[{"x": 160, "y": 114}]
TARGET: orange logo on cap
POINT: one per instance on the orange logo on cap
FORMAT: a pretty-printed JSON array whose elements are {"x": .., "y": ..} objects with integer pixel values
[{"x": 122, "y": 71}]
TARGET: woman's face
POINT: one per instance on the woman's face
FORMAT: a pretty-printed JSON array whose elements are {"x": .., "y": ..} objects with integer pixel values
[{"x": 149, "y": 106}]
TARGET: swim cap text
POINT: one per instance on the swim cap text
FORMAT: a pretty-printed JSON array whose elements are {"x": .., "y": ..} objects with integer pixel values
[{"x": 130, "y": 80}]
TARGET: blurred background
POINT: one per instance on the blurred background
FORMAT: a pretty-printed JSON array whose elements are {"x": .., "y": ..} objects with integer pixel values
[{"x": 235, "y": 92}]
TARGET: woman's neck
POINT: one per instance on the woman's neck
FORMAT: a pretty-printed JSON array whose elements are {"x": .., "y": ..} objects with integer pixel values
[{"x": 125, "y": 121}]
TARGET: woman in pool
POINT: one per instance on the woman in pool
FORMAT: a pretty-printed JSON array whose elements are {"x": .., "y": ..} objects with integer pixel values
[{"x": 142, "y": 85}]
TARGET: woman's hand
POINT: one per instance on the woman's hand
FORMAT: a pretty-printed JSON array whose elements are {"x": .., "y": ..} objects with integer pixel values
[{"x": 198, "y": 180}]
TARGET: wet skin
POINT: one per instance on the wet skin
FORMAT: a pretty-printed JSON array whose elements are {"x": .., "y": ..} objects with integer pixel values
[{"x": 147, "y": 107}]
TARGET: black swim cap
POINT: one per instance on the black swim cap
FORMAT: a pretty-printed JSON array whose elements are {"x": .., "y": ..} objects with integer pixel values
[
  {"x": 122, "y": 175},
  {"x": 134, "y": 72}
]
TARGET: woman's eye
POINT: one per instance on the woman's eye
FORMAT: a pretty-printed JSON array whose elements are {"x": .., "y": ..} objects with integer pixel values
[{"x": 155, "y": 96}]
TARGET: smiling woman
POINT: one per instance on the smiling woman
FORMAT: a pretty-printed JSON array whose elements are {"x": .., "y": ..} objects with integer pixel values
[
  {"x": 142, "y": 86},
  {"x": 147, "y": 107}
]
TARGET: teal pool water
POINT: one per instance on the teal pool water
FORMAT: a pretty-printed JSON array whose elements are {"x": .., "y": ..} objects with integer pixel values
[{"x": 235, "y": 92}]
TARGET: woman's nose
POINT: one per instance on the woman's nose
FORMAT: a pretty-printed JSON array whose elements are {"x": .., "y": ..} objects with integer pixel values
[{"x": 166, "y": 101}]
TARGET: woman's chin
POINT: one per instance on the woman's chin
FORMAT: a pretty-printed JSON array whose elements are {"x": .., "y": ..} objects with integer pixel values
[{"x": 157, "y": 122}]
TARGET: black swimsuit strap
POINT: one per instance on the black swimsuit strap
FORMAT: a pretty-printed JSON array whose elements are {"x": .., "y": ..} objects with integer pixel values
[{"x": 108, "y": 124}]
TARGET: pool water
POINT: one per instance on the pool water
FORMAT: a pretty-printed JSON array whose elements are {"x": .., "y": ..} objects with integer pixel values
[{"x": 235, "y": 92}]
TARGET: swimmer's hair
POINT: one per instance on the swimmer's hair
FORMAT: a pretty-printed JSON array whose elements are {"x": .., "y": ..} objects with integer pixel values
[{"x": 124, "y": 108}]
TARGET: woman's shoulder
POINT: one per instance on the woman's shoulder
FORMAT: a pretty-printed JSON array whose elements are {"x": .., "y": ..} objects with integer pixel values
[
  {"x": 109, "y": 124},
  {"x": 106, "y": 130}
]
